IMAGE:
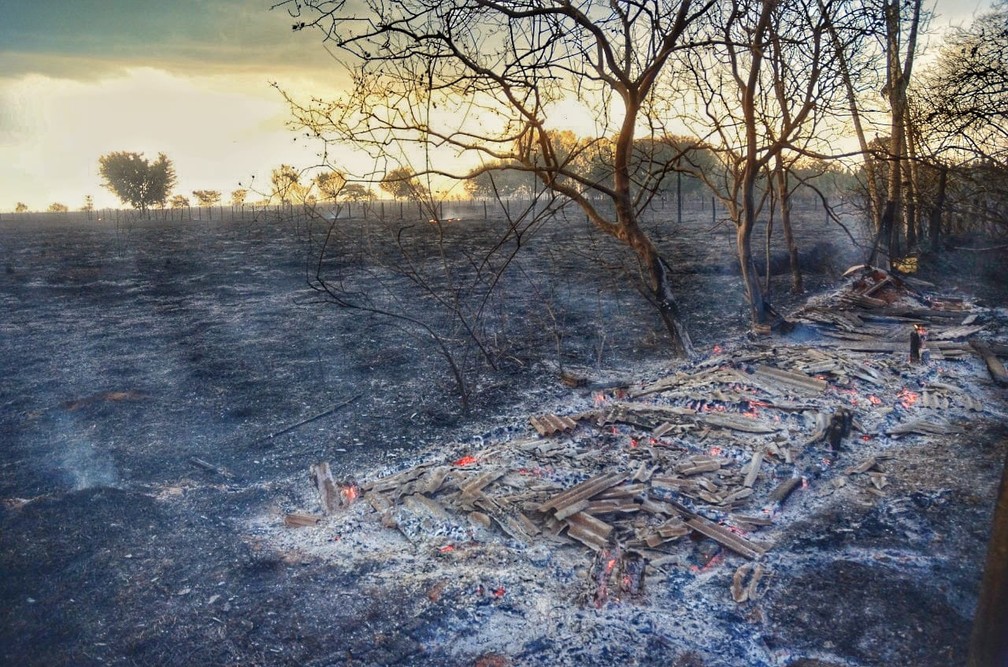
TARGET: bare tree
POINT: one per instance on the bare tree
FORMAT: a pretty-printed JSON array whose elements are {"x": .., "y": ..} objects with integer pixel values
[
  {"x": 480, "y": 79},
  {"x": 764, "y": 91}
]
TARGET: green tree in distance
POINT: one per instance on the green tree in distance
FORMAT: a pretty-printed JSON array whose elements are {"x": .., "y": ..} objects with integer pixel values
[
  {"x": 57, "y": 207},
  {"x": 179, "y": 201},
  {"x": 330, "y": 184},
  {"x": 207, "y": 197},
  {"x": 286, "y": 182},
  {"x": 402, "y": 183},
  {"x": 137, "y": 181},
  {"x": 238, "y": 196},
  {"x": 357, "y": 192},
  {"x": 21, "y": 207}
]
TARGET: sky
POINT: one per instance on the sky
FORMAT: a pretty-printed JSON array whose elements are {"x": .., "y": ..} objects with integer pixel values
[{"x": 189, "y": 78}]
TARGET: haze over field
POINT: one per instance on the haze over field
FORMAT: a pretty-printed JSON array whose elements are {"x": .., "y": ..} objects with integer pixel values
[{"x": 188, "y": 78}]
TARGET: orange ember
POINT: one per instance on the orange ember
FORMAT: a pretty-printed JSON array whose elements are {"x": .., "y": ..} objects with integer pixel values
[
  {"x": 466, "y": 460},
  {"x": 907, "y": 398},
  {"x": 448, "y": 548},
  {"x": 874, "y": 400},
  {"x": 715, "y": 451},
  {"x": 349, "y": 493}
]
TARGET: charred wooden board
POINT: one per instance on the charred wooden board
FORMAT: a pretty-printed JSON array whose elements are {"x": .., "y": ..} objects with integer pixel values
[
  {"x": 726, "y": 538},
  {"x": 584, "y": 491},
  {"x": 994, "y": 366},
  {"x": 792, "y": 379},
  {"x": 589, "y": 530},
  {"x": 551, "y": 424},
  {"x": 302, "y": 519}
]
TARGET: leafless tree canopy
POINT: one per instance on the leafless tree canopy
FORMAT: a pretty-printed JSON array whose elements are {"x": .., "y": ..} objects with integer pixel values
[{"x": 476, "y": 88}]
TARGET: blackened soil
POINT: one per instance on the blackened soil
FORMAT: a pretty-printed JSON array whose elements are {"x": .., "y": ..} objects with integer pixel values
[{"x": 126, "y": 351}]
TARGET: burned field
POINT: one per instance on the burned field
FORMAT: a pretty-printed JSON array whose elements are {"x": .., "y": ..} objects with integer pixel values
[{"x": 811, "y": 499}]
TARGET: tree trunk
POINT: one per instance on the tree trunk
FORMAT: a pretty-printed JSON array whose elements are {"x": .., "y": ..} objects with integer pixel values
[
  {"x": 660, "y": 274},
  {"x": 628, "y": 230},
  {"x": 911, "y": 181},
  {"x": 935, "y": 219},
  {"x": 989, "y": 641},
  {"x": 784, "y": 197},
  {"x": 767, "y": 246}
]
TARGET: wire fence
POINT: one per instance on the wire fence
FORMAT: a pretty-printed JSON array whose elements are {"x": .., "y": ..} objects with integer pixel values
[{"x": 378, "y": 209}]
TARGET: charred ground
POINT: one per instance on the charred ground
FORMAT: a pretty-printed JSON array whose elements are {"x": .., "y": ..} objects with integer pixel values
[{"x": 128, "y": 350}]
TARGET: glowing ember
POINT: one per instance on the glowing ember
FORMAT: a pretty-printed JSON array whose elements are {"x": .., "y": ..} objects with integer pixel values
[
  {"x": 465, "y": 460},
  {"x": 633, "y": 443},
  {"x": 499, "y": 592},
  {"x": 874, "y": 400},
  {"x": 348, "y": 494},
  {"x": 599, "y": 398},
  {"x": 717, "y": 349},
  {"x": 907, "y": 398},
  {"x": 715, "y": 451},
  {"x": 448, "y": 548}
]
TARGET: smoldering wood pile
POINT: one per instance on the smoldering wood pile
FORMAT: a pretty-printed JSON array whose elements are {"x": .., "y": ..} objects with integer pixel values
[{"x": 715, "y": 449}]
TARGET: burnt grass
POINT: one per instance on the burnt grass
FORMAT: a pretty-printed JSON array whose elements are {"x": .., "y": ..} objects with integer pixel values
[{"x": 127, "y": 350}]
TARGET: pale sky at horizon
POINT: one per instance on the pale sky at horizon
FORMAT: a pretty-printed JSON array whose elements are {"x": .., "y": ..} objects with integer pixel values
[{"x": 190, "y": 78}]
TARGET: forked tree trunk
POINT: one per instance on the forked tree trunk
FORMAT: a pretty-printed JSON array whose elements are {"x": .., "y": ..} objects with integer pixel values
[
  {"x": 660, "y": 274},
  {"x": 758, "y": 311}
]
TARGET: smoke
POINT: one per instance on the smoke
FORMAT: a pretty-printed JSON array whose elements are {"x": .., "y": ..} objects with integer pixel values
[{"x": 82, "y": 464}]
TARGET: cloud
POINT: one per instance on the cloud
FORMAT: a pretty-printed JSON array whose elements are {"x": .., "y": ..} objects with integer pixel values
[
  {"x": 89, "y": 39},
  {"x": 218, "y": 130}
]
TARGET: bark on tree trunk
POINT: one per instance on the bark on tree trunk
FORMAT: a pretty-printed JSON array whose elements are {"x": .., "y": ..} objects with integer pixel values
[
  {"x": 628, "y": 230},
  {"x": 784, "y": 197},
  {"x": 660, "y": 273},
  {"x": 935, "y": 219},
  {"x": 758, "y": 313}
]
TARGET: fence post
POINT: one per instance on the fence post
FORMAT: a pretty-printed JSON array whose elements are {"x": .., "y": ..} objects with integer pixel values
[
  {"x": 678, "y": 197},
  {"x": 713, "y": 215}
]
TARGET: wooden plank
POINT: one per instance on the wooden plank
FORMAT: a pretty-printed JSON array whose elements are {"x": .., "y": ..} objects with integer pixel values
[
  {"x": 754, "y": 468},
  {"x": 994, "y": 366},
  {"x": 572, "y": 508},
  {"x": 589, "y": 530},
  {"x": 302, "y": 519},
  {"x": 698, "y": 464},
  {"x": 321, "y": 475},
  {"x": 621, "y": 505},
  {"x": 583, "y": 491},
  {"x": 725, "y": 537},
  {"x": 784, "y": 489},
  {"x": 476, "y": 484},
  {"x": 550, "y": 424},
  {"x": 737, "y": 423},
  {"x": 955, "y": 332},
  {"x": 792, "y": 379},
  {"x": 923, "y": 427}
]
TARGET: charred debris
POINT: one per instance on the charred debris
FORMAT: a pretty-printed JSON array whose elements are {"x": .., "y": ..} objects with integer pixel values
[{"x": 712, "y": 453}]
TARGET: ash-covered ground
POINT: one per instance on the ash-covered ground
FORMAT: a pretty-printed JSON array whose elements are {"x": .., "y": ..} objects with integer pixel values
[{"x": 130, "y": 351}]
